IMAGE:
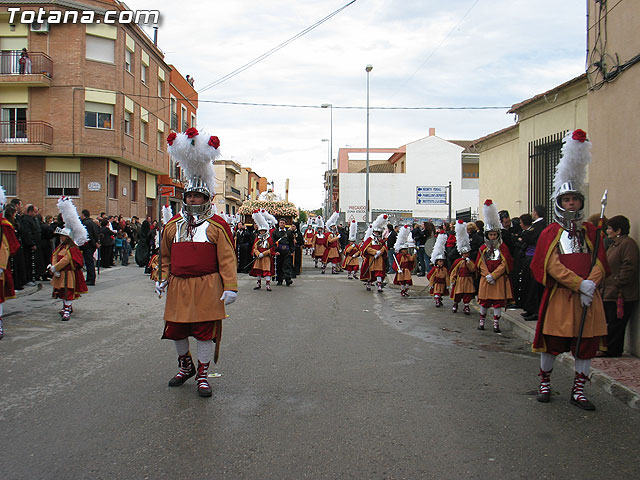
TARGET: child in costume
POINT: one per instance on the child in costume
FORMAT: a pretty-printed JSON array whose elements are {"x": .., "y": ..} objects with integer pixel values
[
  {"x": 438, "y": 276},
  {"x": 494, "y": 263},
  {"x": 404, "y": 262},
  {"x": 375, "y": 251},
  {"x": 351, "y": 253},
  {"x": 319, "y": 244},
  {"x": 9, "y": 245},
  {"x": 462, "y": 271},
  {"x": 332, "y": 252},
  {"x": 67, "y": 261},
  {"x": 263, "y": 250}
]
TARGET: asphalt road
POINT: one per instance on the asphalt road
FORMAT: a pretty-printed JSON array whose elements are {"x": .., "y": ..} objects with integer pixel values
[{"x": 318, "y": 380}]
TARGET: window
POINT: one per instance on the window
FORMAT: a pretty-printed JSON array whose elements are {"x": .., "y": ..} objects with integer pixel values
[
  {"x": 128, "y": 60},
  {"x": 143, "y": 74},
  {"x": 63, "y": 183},
  {"x": 174, "y": 115},
  {"x": 160, "y": 85},
  {"x": 8, "y": 180},
  {"x": 233, "y": 209},
  {"x": 101, "y": 49},
  {"x": 160, "y": 140},
  {"x": 143, "y": 132},
  {"x": 98, "y": 115},
  {"x": 193, "y": 119},
  {"x": 227, "y": 209},
  {"x": 183, "y": 118},
  {"x": 14, "y": 125},
  {"x": 127, "y": 123},
  {"x": 113, "y": 186},
  {"x": 134, "y": 190}
]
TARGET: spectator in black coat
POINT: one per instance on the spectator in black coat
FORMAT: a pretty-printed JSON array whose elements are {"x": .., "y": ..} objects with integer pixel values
[
  {"x": 19, "y": 266},
  {"x": 391, "y": 242},
  {"x": 107, "y": 241},
  {"x": 418, "y": 233},
  {"x": 89, "y": 248},
  {"x": 32, "y": 237},
  {"x": 531, "y": 291}
]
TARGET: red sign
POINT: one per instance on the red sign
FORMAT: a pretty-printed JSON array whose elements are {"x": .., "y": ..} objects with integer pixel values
[{"x": 167, "y": 191}]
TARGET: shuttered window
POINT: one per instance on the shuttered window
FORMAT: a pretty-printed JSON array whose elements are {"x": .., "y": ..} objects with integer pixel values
[
  {"x": 63, "y": 183},
  {"x": 8, "y": 180}
]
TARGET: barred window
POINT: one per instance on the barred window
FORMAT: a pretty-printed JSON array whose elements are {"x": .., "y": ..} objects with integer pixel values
[
  {"x": 63, "y": 183},
  {"x": 8, "y": 180},
  {"x": 113, "y": 186}
]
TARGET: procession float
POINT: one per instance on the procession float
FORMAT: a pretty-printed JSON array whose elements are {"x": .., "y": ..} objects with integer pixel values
[{"x": 272, "y": 203}]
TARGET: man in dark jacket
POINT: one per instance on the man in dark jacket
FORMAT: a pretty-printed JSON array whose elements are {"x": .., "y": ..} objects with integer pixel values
[
  {"x": 391, "y": 243},
  {"x": 419, "y": 238},
  {"x": 244, "y": 242},
  {"x": 283, "y": 239},
  {"x": 19, "y": 266},
  {"x": 31, "y": 237},
  {"x": 89, "y": 248}
]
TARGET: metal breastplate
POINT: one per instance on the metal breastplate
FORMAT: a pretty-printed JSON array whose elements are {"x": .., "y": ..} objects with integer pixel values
[
  {"x": 263, "y": 242},
  {"x": 199, "y": 232},
  {"x": 575, "y": 244},
  {"x": 492, "y": 254}
]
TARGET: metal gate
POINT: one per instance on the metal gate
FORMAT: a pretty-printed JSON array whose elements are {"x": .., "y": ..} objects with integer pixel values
[{"x": 544, "y": 155}]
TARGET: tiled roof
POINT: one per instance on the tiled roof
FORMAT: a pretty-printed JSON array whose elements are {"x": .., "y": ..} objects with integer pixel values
[
  {"x": 474, "y": 143},
  {"x": 518, "y": 106}
]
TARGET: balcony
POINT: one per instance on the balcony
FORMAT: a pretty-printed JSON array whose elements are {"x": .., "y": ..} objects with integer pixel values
[
  {"x": 232, "y": 166},
  {"x": 232, "y": 193},
  {"x": 23, "y": 136},
  {"x": 35, "y": 73}
]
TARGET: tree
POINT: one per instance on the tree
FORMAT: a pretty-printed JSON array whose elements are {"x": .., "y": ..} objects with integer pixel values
[{"x": 302, "y": 216}]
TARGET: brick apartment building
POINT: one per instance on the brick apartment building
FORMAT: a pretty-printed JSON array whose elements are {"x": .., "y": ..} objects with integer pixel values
[{"x": 88, "y": 118}]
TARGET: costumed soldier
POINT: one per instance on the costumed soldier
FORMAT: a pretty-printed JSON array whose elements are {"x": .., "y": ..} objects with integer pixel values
[
  {"x": 67, "y": 260},
  {"x": 562, "y": 264},
  {"x": 319, "y": 243},
  {"x": 263, "y": 251},
  {"x": 462, "y": 271},
  {"x": 332, "y": 252},
  {"x": 283, "y": 240},
  {"x": 374, "y": 249},
  {"x": 9, "y": 245},
  {"x": 403, "y": 261},
  {"x": 494, "y": 263},
  {"x": 198, "y": 261},
  {"x": 438, "y": 276},
  {"x": 308, "y": 238},
  {"x": 351, "y": 253}
]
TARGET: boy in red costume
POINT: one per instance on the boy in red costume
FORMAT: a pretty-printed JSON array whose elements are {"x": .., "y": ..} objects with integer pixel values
[
  {"x": 9, "y": 245},
  {"x": 404, "y": 261},
  {"x": 263, "y": 250},
  {"x": 351, "y": 253},
  {"x": 438, "y": 276},
  {"x": 462, "y": 271}
]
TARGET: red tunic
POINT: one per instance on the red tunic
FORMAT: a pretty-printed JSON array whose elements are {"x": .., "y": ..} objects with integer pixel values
[
  {"x": 263, "y": 267},
  {"x": 351, "y": 254},
  {"x": 406, "y": 262},
  {"x": 438, "y": 278},
  {"x": 68, "y": 262},
  {"x": 9, "y": 245}
]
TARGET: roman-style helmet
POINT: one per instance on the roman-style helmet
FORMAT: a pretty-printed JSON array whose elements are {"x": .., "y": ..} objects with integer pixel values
[
  {"x": 463, "y": 244},
  {"x": 571, "y": 174},
  {"x": 73, "y": 227},
  {"x": 195, "y": 153}
]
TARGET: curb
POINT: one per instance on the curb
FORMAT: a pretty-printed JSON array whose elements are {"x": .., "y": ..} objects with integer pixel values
[{"x": 599, "y": 378}]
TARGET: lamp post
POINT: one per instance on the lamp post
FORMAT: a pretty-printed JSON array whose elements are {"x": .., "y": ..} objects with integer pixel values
[
  {"x": 330, "y": 107},
  {"x": 327, "y": 202},
  {"x": 368, "y": 69}
]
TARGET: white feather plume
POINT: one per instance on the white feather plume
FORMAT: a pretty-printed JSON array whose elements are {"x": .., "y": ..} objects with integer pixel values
[
  {"x": 271, "y": 220},
  {"x": 491, "y": 217},
  {"x": 259, "y": 221},
  {"x": 167, "y": 214},
  {"x": 319, "y": 221},
  {"x": 332, "y": 219},
  {"x": 195, "y": 157},
  {"x": 573, "y": 163},
  {"x": 368, "y": 232},
  {"x": 3, "y": 196},
  {"x": 439, "y": 248},
  {"x": 353, "y": 231},
  {"x": 379, "y": 222},
  {"x": 403, "y": 237},
  {"x": 72, "y": 221},
  {"x": 463, "y": 244}
]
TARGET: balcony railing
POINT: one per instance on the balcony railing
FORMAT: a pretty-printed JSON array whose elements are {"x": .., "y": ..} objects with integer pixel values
[
  {"x": 38, "y": 63},
  {"x": 232, "y": 192},
  {"x": 26, "y": 132}
]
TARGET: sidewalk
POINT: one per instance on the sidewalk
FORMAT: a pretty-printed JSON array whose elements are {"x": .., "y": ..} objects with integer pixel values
[{"x": 619, "y": 377}]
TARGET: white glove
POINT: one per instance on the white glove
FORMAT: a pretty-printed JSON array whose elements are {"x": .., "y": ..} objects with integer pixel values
[
  {"x": 160, "y": 287},
  {"x": 377, "y": 255},
  {"x": 490, "y": 279},
  {"x": 52, "y": 268},
  {"x": 1, "y": 270},
  {"x": 57, "y": 274},
  {"x": 229, "y": 296},
  {"x": 468, "y": 259},
  {"x": 261, "y": 255},
  {"x": 587, "y": 289}
]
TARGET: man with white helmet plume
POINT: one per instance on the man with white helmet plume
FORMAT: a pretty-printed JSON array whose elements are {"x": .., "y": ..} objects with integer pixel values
[
  {"x": 403, "y": 261},
  {"x": 462, "y": 271},
  {"x": 438, "y": 276},
  {"x": 66, "y": 261},
  {"x": 351, "y": 253},
  {"x": 374, "y": 250},
  {"x": 319, "y": 243},
  {"x": 494, "y": 263},
  {"x": 9, "y": 245},
  {"x": 570, "y": 264},
  {"x": 262, "y": 251},
  {"x": 198, "y": 261},
  {"x": 332, "y": 252},
  {"x": 309, "y": 233}
]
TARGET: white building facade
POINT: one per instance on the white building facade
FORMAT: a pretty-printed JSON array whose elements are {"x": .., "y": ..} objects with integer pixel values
[{"x": 418, "y": 186}]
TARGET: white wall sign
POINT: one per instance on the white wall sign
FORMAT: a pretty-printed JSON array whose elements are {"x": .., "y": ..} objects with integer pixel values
[
  {"x": 94, "y": 187},
  {"x": 431, "y": 195},
  {"x": 124, "y": 191}
]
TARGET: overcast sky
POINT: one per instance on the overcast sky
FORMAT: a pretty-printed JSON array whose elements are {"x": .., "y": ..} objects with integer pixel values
[{"x": 425, "y": 53}]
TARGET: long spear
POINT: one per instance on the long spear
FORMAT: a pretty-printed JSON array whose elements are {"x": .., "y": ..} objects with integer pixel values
[{"x": 594, "y": 258}]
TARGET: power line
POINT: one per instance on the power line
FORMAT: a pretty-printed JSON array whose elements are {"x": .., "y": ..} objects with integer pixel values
[{"x": 273, "y": 50}]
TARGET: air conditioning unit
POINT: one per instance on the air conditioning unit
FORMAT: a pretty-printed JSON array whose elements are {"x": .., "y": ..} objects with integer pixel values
[{"x": 40, "y": 27}]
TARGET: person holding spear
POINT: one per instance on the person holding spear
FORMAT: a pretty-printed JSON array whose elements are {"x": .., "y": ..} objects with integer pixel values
[{"x": 570, "y": 262}]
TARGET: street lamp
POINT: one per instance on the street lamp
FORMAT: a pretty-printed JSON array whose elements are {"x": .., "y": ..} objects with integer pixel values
[
  {"x": 368, "y": 69},
  {"x": 330, "y": 107},
  {"x": 328, "y": 162}
]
